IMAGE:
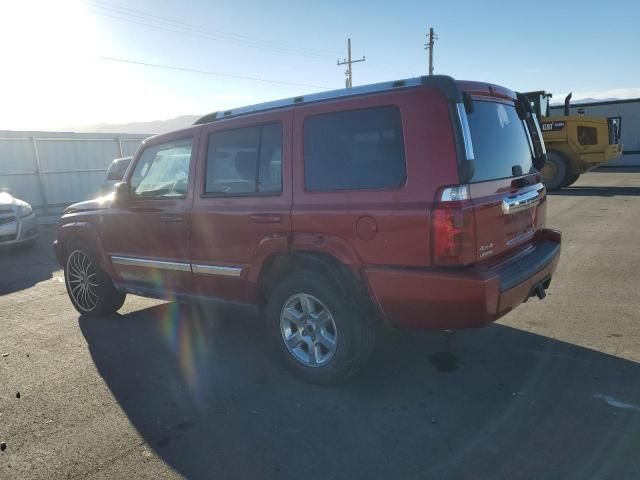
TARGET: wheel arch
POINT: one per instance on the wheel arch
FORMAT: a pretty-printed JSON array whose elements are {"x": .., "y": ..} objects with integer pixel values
[
  {"x": 277, "y": 266},
  {"x": 86, "y": 233}
]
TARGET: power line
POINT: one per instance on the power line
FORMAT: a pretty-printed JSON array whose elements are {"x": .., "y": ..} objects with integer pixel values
[
  {"x": 131, "y": 11},
  {"x": 166, "y": 24},
  {"x": 206, "y": 72},
  {"x": 199, "y": 35},
  {"x": 139, "y": 17}
]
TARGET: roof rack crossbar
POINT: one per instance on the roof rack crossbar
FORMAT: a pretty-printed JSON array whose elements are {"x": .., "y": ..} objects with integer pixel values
[{"x": 445, "y": 83}]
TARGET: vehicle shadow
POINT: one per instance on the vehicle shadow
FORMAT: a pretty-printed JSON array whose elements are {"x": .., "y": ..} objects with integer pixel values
[
  {"x": 587, "y": 191},
  {"x": 612, "y": 169},
  {"x": 206, "y": 393},
  {"x": 23, "y": 267}
]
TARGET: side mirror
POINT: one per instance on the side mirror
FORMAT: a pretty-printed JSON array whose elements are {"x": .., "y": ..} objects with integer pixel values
[
  {"x": 115, "y": 176},
  {"x": 122, "y": 193}
]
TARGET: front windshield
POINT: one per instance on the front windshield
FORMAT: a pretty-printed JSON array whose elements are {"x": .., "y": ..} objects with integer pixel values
[{"x": 163, "y": 170}]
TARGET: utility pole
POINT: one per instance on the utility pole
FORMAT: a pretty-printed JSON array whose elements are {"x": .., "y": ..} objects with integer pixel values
[
  {"x": 347, "y": 61},
  {"x": 429, "y": 46}
]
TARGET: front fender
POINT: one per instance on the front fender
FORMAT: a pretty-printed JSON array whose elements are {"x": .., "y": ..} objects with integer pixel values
[{"x": 80, "y": 231}]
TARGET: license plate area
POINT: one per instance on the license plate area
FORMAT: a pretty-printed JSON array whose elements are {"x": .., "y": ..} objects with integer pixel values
[{"x": 519, "y": 225}]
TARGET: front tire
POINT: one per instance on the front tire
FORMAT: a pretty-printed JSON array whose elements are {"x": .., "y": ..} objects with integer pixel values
[
  {"x": 321, "y": 334},
  {"x": 90, "y": 289},
  {"x": 571, "y": 179},
  {"x": 555, "y": 170}
]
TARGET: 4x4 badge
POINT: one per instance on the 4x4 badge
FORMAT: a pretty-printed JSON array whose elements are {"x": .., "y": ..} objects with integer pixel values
[{"x": 486, "y": 249}]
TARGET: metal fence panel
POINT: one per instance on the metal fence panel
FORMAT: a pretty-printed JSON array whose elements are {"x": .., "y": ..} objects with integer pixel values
[
  {"x": 53, "y": 169},
  {"x": 129, "y": 147},
  {"x": 16, "y": 156},
  {"x": 18, "y": 169}
]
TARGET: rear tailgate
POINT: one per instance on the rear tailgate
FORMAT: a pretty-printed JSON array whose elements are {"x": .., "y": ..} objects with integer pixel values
[
  {"x": 506, "y": 216},
  {"x": 509, "y": 202}
]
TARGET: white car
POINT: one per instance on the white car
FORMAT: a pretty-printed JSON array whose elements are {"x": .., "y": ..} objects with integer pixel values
[{"x": 17, "y": 221}]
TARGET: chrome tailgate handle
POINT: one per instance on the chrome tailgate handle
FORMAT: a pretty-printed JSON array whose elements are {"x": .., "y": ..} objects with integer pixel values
[{"x": 517, "y": 203}]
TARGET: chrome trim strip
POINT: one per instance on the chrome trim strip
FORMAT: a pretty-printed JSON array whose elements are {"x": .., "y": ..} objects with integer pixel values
[
  {"x": 216, "y": 270},
  {"x": 220, "y": 270},
  {"x": 142, "y": 262},
  {"x": 466, "y": 132},
  {"x": 517, "y": 203}
]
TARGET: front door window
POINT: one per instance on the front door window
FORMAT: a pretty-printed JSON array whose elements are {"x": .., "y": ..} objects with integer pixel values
[{"x": 163, "y": 170}]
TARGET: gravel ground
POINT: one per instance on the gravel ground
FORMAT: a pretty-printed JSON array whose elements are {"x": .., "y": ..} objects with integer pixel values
[{"x": 162, "y": 391}]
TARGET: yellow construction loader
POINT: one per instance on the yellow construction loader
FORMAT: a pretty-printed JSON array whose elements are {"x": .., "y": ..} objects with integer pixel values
[{"x": 575, "y": 144}]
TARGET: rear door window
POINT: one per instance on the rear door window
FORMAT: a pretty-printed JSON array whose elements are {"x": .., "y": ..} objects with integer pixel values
[
  {"x": 501, "y": 143},
  {"x": 354, "y": 150},
  {"x": 245, "y": 161}
]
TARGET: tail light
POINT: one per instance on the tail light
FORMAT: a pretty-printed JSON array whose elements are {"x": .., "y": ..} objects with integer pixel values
[{"x": 453, "y": 227}]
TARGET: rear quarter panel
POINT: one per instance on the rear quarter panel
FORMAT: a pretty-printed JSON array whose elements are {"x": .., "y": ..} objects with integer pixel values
[{"x": 397, "y": 219}]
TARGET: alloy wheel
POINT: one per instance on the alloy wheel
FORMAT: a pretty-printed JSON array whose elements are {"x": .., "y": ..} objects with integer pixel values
[
  {"x": 81, "y": 278},
  {"x": 308, "y": 330}
]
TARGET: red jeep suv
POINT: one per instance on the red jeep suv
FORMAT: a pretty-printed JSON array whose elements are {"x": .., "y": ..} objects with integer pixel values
[{"x": 415, "y": 203}]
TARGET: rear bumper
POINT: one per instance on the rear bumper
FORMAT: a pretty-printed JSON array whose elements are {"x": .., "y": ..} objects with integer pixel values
[{"x": 452, "y": 299}]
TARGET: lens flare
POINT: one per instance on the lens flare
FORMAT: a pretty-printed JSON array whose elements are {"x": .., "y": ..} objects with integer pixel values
[{"x": 184, "y": 331}]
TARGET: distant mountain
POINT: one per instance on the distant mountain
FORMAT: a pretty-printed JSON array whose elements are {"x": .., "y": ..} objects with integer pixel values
[{"x": 154, "y": 126}]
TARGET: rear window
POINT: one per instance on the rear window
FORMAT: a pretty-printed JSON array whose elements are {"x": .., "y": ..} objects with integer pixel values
[
  {"x": 501, "y": 143},
  {"x": 354, "y": 150}
]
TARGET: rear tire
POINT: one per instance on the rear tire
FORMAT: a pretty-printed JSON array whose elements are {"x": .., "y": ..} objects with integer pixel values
[
  {"x": 555, "y": 170},
  {"x": 319, "y": 332},
  {"x": 90, "y": 289}
]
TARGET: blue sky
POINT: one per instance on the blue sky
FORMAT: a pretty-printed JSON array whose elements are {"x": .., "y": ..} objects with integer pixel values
[{"x": 590, "y": 48}]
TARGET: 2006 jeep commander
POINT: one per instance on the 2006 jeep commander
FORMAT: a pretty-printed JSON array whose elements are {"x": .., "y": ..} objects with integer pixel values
[{"x": 415, "y": 203}]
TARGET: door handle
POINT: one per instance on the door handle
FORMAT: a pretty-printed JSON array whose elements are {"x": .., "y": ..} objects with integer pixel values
[
  {"x": 172, "y": 218},
  {"x": 266, "y": 218}
]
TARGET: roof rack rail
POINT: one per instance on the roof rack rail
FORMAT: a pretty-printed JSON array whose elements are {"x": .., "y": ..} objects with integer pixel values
[{"x": 443, "y": 82}]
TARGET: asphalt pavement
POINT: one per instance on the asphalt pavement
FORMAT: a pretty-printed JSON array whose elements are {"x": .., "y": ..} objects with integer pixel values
[{"x": 161, "y": 390}]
